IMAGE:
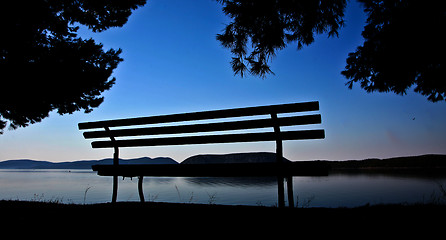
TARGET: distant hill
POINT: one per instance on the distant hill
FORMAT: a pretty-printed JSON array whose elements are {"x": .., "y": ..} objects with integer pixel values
[
  {"x": 430, "y": 161},
  {"x": 85, "y": 164},
  {"x": 258, "y": 157},
  {"x": 429, "y": 164}
]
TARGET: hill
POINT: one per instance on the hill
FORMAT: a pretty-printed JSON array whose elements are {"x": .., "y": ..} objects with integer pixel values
[
  {"x": 429, "y": 161},
  {"x": 257, "y": 157},
  {"x": 85, "y": 164}
]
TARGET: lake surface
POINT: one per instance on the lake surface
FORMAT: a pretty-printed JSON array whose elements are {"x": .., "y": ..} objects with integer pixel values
[{"x": 335, "y": 190}]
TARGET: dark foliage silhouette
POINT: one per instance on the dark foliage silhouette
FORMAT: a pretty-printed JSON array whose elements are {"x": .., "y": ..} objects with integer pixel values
[
  {"x": 404, "y": 46},
  {"x": 271, "y": 25},
  {"x": 45, "y": 66}
]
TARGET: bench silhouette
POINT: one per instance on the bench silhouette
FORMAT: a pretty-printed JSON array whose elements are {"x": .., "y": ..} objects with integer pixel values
[{"x": 211, "y": 132}]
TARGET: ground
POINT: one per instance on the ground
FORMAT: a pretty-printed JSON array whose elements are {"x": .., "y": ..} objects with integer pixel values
[{"x": 133, "y": 217}]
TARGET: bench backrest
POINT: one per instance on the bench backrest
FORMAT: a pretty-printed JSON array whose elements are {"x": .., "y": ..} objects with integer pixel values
[{"x": 272, "y": 121}]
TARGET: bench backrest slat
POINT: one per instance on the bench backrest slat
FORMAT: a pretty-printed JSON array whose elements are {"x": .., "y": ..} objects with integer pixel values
[
  {"x": 210, "y": 139},
  {"x": 208, "y": 127},
  {"x": 227, "y": 113}
]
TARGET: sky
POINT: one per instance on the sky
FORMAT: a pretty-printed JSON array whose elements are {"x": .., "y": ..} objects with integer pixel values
[{"x": 174, "y": 64}]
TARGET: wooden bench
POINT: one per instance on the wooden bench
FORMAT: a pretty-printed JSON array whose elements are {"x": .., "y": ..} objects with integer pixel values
[{"x": 261, "y": 123}]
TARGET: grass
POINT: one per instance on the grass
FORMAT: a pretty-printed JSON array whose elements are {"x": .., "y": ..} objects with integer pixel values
[
  {"x": 85, "y": 193},
  {"x": 185, "y": 218}
]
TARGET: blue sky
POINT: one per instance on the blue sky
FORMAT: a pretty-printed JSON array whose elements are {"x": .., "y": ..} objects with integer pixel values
[{"x": 173, "y": 64}]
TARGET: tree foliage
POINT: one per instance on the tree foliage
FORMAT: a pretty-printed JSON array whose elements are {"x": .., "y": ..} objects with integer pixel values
[
  {"x": 45, "y": 66},
  {"x": 404, "y": 43},
  {"x": 270, "y": 25},
  {"x": 404, "y": 46}
]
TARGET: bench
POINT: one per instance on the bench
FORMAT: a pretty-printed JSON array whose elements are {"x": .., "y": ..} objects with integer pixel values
[{"x": 250, "y": 124}]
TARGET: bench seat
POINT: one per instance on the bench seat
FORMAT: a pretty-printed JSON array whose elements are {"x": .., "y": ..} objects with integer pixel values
[{"x": 307, "y": 168}]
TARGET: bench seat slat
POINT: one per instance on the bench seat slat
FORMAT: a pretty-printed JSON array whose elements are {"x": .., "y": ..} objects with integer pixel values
[
  {"x": 209, "y": 139},
  {"x": 209, "y": 127},
  {"x": 227, "y": 113}
]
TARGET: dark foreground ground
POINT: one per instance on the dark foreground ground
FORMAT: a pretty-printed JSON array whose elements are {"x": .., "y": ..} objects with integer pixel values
[{"x": 214, "y": 221}]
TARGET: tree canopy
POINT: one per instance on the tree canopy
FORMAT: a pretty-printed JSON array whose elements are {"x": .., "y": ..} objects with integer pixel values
[
  {"x": 403, "y": 48},
  {"x": 45, "y": 66},
  {"x": 271, "y": 25}
]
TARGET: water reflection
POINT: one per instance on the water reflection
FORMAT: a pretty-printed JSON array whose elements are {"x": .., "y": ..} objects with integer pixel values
[
  {"x": 335, "y": 190},
  {"x": 232, "y": 181},
  {"x": 431, "y": 174}
]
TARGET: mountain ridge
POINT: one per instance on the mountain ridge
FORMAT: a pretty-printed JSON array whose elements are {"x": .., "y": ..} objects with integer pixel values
[
  {"x": 420, "y": 161},
  {"x": 81, "y": 164},
  {"x": 254, "y": 157}
]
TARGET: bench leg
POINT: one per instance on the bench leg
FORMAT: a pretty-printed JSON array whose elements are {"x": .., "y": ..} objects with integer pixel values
[
  {"x": 280, "y": 192},
  {"x": 289, "y": 186},
  {"x": 115, "y": 189},
  {"x": 140, "y": 191}
]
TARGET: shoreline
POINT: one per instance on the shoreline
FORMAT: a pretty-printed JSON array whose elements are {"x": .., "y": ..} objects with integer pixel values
[{"x": 13, "y": 205}]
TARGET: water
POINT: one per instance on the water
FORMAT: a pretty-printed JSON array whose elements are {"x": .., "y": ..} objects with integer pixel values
[{"x": 335, "y": 190}]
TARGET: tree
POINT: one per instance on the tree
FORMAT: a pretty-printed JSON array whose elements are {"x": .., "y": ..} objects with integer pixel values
[
  {"x": 271, "y": 25},
  {"x": 404, "y": 46},
  {"x": 45, "y": 66}
]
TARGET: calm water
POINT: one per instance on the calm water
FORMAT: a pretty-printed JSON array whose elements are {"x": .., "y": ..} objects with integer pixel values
[{"x": 336, "y": 190}]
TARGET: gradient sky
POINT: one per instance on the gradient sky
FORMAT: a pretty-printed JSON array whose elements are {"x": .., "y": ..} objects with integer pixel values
[{"x": 173, "y": 64}]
